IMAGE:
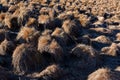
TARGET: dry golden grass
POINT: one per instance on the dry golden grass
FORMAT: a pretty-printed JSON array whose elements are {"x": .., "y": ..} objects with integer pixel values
[
  {"x": 25, "y": 59},
  {"x": 100, "y": 74},
  {"x": 7, "y": 21},
  {"x": 43, "y": 43},
  {"x": 57, "y": 32},
  {"x": 27, "y": 34},
  {"x": 84, "y": 20},
  {"x": 87, "y": 55},
  {"x": 6, "y": 47},
  {"x": 62, "y": 38},
  {"x": 104, "y": 74},
  {"x": 51, "y": 72},
  {"x": 118, "y": 37},
  {"x": 71, "y": 28},
  {"x": 56, "y": 50},
  {"x": 84, "y": 50},
  {"x": 47, "y": 32},
  {"x": 111, "y": 50},
  {"x": 2, "y": 16},
  {"x": 102, "y": 39},
  {"x": 101, "y": 30},
  {"x": 43, "y": 19},
  {"x": 47, "y": 44},
  {"x": 118, "y": 68},
  {"x": 31, "y": 21}
]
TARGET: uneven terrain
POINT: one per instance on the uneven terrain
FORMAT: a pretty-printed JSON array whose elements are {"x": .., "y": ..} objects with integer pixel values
[{"x": 59, "y": 39}]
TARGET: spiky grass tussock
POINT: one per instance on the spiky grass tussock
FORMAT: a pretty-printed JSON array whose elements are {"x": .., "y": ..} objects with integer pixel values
[
  {"x": 62, "y": 38},
  {"x": 31, "y": 22},
  {"x": 2, "y": 17},
  {"x": 51, "y": 72},
  {"x": 47, "y": 44},
  {"x": 86, "y": 54},
  {"x": 7, "y": 20},
  {"x": 71, "y": 27},
  {"x": 84, "y": 20},
  {"x": 101, "y": 30},
  {"x": 84, "y": 50},
  {"x": 25, "y": 59},
  {"x": 6, "y": 48},
  {"x": 118, "y": 37},
  {"x": 112, "y": 50},
  {"x": 57, "y": 31},
  {"x": 104, "y": 74},
  {"x": 43, "y": 43},
  {"x": 102, "y": 39},
  {"x": 12, "y": 8},
  {"x": 44, "y": 19},
  {"x": 27, "y": 34}
]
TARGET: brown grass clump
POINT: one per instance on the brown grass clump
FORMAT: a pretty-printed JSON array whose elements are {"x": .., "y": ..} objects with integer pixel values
[
  {"x": 47, "y": 44},
  {"x": 71, "y": 28},
  {"x": 2, "y": 16},
  {"x": 31, "y": 22},
  {"x": 11, "y": 22},
  {"x": 7, "y": 21},
  {"x": 22, "y": 15},
  {"x": 57, "y": 32},
  {"x": 25, "y": 59},
  {"x": 84, "y": 50},
  {"x": 104, "y": 74},
  {"x": 6, "y": 47},
  {"x": 47, "y": 32},
  {"x": 101, "y": 30},
  {"x": 27, "y": 34},
  {"x": 118, "y": 37},
  {"x": 43, "y": 43},
  {"x": 102, "y": 39},
  {"x": 51, "y": 72},
  {"x": 84, "y": 20},
  {"x": 61, "y": 37},
  {"x": 112, "y": 50},
  {"x": 47, "y": 21},
  {"x": 12, "y": 8},
  {"x": 118, "y": 68},
  {"x": 43, "y": 19},
  {"x": 86, "y": 54},
  {"x": 56, "y": 50}
]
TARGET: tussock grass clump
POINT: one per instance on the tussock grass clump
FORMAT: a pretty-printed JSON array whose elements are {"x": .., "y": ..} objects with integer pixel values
[
  {"x": 62, "y": 38},
  {"x": 112, "y": 50},
  {"x": 47, "y": 44},
  {"x": 101, "y": 30},
  {"x": 27, "y": 34},
  {"x": 6, "y": 47},
  {"x": 11, "y": 22},
  {"x": 84, "y": 20},
  {"x": 2, "y": 17},
  {"x": 118, "y": 37},
  {"x": 51, "y": 72},
  {"x": 104, "y": 74},
  {"x": 102, "y": 39},
  {"x": 25, "y": 59},
  {"x": 71, "y": 27},
  {"x": 86, "y": 54}
]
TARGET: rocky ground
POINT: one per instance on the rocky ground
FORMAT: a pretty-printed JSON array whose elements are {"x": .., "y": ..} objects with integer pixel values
[{"x": 59, "y": 40}]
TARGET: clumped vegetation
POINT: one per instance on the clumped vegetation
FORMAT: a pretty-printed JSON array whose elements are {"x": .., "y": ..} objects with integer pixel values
[{"x": 59, "y": 40}]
